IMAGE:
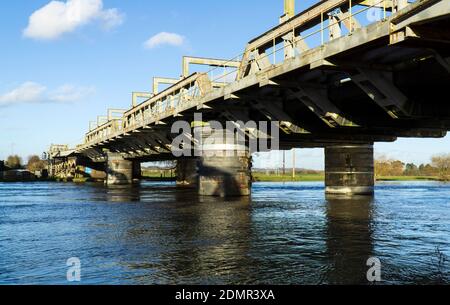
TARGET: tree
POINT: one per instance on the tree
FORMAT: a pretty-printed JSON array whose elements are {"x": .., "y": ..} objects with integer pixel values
[
  {"x": 14, "y": 162},
  {"x": 35, "y": 164},
  {"x": 430, "y": 170},
  {"x": 396, "y": 168},
  {"x": 411, "y": 170},
  {"x": 385, "y": 167},
  {"x": 381, "y": 167},
  {"x": 442, "y": 164}
]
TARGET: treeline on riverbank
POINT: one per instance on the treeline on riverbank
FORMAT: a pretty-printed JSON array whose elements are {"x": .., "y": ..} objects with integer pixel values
[
  {"x": 163, "y": 171},
  {"x": 384, "y": 169},
  {"x": 438, "y": 169}
]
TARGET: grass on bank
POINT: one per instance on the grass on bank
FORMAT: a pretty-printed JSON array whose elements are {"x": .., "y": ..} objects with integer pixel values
[
  {"x": 409, "y": 178},
  {"x": 258, "y": 177},
  {"x": 158, "y": 175},
  {"x": 261, "y": 177},
  {"x": 299, "y": 177}
]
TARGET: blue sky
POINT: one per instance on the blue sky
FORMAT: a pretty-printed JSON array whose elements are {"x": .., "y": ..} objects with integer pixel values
[{"x": 60, "y": 71}]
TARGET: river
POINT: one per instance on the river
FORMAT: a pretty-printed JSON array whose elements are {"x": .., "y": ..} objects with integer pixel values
[{"x": 287, "y": 233}]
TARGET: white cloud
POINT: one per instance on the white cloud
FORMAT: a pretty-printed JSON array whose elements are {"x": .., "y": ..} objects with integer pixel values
[
  {"x": 28, "y": 92},
  {"x": 112, "y": 18},
  {"x": 31, "y": 92},
  {"x": 70, "y": 93},
  {"x": 57, "y": 18},
  {"x": 165, "y": 38}
]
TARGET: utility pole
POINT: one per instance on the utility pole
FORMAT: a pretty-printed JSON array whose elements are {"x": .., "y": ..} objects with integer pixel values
[
  {"x": 293, "y": 164},
  {"x": 284, "y": 163}
]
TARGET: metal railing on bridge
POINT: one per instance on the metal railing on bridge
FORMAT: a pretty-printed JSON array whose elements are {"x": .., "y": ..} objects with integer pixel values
[{"x": 314, "y": 27}]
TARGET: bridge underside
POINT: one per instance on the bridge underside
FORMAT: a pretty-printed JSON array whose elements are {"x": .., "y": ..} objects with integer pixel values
[{"x": 387, "y": 80}]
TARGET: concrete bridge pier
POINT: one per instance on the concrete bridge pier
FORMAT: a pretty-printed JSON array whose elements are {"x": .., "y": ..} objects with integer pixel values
[
  {"x": 137, "y": 170},
  {"x": 225, "y": 176},
  {"x": 187, "y": 172},
  {"x": 224, "y": 169},
  {"x": 349, "y": 170},
  {"x": 121, "y": 171}
]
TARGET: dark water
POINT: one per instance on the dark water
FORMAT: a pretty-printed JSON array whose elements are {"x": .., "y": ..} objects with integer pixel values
[{"x": 285, "y": 234}]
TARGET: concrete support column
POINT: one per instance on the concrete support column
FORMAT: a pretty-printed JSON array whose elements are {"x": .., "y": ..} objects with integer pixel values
[
  {"x": 137, "y": 170},
  {"x": 225, "y": 176},
  {"x": 119, "y": 171},
  {"x": 224, "y": 169},
  {"x": 187, "y": 173},
  {"x": 349, "y": 170}
]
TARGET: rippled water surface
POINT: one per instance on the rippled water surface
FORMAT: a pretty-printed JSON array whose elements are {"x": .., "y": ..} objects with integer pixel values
[{"x": 285, "y": 234}]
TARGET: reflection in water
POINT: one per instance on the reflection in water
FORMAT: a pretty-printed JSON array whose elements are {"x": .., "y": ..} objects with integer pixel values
[
  {"x": 122, "y": 193},
  {"x": 349, "y": 238},
  {"x": 211, "y": 239},
  {"x": 287, "y": 233}
]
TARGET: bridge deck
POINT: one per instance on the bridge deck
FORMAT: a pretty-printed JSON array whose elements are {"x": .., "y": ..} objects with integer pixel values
[{"x": 364, "y": 84}]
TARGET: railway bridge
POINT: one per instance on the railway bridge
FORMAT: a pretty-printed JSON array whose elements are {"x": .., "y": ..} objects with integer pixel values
[{"x": 340, "y": 75}]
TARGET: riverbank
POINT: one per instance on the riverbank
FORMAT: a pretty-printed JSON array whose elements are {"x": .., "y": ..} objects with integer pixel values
[
  {"x": 259, "y": 177},
  {"x": 158, "y": 175},
  {"x": 409, "y": 178}
]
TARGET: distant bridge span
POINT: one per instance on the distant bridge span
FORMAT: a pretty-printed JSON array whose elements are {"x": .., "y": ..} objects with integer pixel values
[{"x": 331, "y": 76}]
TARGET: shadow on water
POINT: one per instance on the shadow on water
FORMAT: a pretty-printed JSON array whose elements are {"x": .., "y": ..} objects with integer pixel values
[
  {"x": 117, "y": 193},
  {"x": 192, "y": 239},
  {"x": 349, "y": 238},
  {"x": 123, "y": 193},
  {"x": 212, "y": 240}
]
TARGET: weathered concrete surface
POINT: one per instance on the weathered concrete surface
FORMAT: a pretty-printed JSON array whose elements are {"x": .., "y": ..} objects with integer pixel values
[
  {"x": 187, "y": 172},
  {"x": 95, "y": 174},
  {"x": 225, "y": 176},
  {"x": 119, "y": 171},
  {"x": 76, "y": 166},
  {"x": 225, "y": 166},
  {"x": 349, "y": 170}
]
